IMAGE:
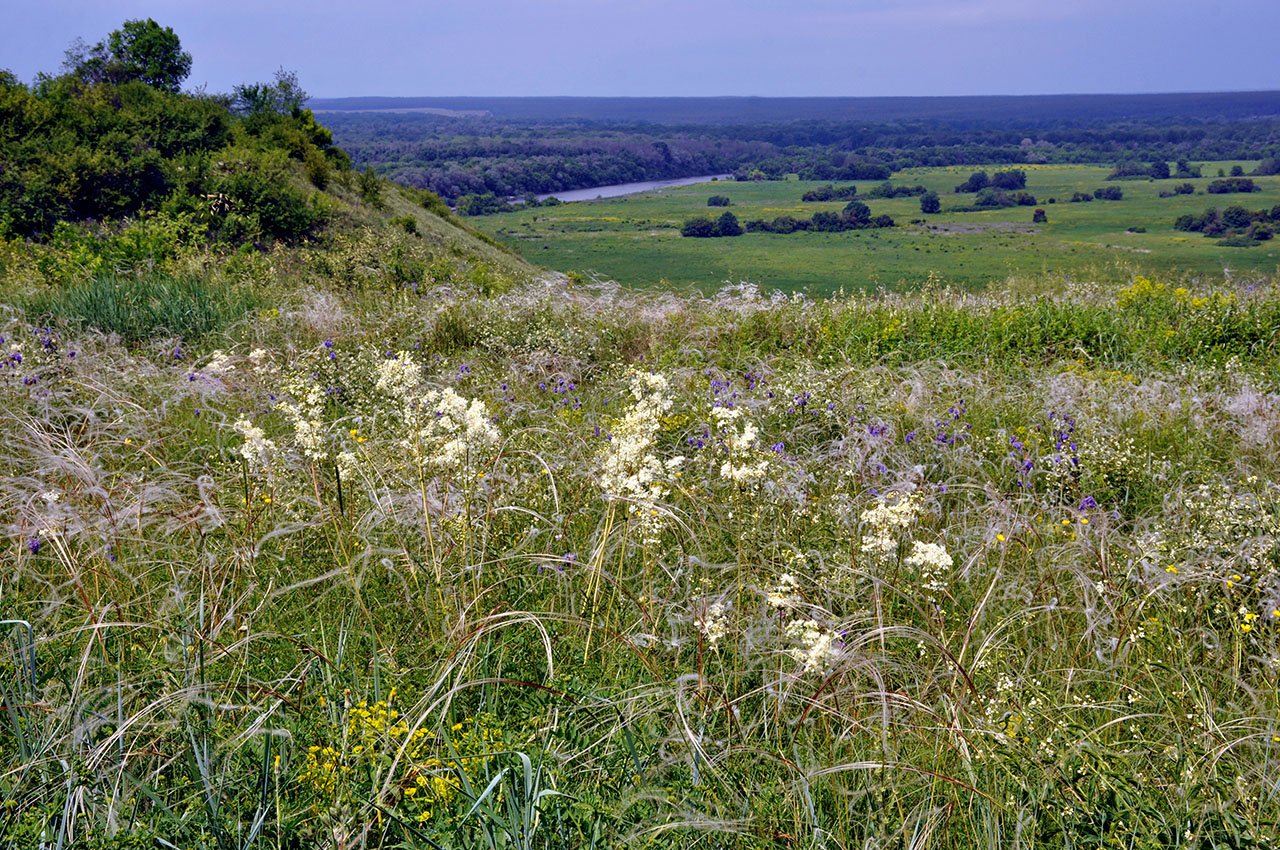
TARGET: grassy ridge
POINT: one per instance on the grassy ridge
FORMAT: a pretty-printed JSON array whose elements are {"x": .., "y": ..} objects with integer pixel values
[
  {"x": 381, "y": 566},
  {"x": 636, "y": 239}
]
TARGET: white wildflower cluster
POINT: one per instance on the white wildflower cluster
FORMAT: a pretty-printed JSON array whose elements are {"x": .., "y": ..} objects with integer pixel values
[
  {"x": 744, "y": 462},
  {"x": 397, "y": 376},
  {"x": 630, "y": 471},
  {"x": 714, "y": 624},
  {"x": 934, "y": 564},
  {"x": 304, "y": 408},
  {"x": 785, "y": 594},
  {"x": 884, "y": 523},
  {"x": 1231, "y": 529},
  {"x": 220, "y": 363},
  {"x": 449, "y": 432},
  {"x": 816, "y": 649},
  {"x": 256, "y": 449},
  {"x": 443, "y": 430}
]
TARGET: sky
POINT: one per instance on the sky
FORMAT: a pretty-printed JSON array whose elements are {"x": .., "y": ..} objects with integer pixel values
[{"x": 686, "y": 47}]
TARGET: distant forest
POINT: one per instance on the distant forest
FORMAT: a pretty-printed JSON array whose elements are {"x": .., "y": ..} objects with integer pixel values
[{"x": 523, "y": 146}]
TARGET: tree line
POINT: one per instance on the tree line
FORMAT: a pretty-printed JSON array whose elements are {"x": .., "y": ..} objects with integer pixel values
[{"x": 455, "y": 156}]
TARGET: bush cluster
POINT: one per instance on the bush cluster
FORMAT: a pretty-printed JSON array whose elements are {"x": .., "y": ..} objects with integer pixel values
[
  {"x": 1002, "y": 180},
  {"x": 831, "y": 193},
  {"x": 703, "y": 227},
  {"x": 97, "y": 145},
  {"x": 855, "y": 216},
  {"x": 1231, "y": 185},
  {"x": 1242, "y": 226}
]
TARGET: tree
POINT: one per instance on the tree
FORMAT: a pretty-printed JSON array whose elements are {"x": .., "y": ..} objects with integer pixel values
[
  {"x": 1236, "y": 217},
  {"x": 139, "y": 50},
  {"x": 727, "y": 225},
  {"x": 856, "y": 214},
  {"x": 699, "y": 226},
  {"x": 1039, "y": 217},
  {"x": 977, "y": 181},
  {"x": 1015, "y": 178},
  {"x": 1160, "y": 170},
  {"x": 284, "y": 96},
  {"x": 929, "y": 203}
]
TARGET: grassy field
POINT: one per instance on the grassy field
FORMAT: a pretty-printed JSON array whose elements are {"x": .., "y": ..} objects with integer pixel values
[
  {"x": 411, "y": 554},
  {"x": 636, "y": 239}
]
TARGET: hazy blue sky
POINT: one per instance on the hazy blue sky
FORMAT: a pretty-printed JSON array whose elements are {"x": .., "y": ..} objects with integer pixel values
[{"x": 688, "y": 47}]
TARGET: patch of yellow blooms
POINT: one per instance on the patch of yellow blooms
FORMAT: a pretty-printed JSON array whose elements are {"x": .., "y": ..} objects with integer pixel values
[{"x": 427, "y": 767}]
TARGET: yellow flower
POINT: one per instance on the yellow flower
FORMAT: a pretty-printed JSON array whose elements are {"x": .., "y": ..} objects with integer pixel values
[{"x": 1000, "y": 537}]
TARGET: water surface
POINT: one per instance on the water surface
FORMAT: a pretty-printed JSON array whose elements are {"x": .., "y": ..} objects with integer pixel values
[{"x": 629, "y": 188}]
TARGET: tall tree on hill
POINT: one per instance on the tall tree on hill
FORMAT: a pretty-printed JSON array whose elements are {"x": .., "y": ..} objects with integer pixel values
[{"x": 139, "y": 50}]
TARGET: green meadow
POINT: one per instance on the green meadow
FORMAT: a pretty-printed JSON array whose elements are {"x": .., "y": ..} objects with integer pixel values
[{"x": 636, "y": 239}]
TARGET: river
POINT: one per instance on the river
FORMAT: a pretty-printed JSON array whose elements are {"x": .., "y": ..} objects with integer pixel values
[{"x": 629, "y": 188}]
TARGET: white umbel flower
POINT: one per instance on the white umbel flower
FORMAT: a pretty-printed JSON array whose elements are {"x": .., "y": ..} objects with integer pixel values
[
  {"x": 934, "y": 563},
  {"x": 714, "y": 624},
  {"x": 630, "y": 471},
  {"x": 256, "y": 450},
  {"x": 884, "y": 522},
  {"x": 744, "y": 464},
  {"x": 816, "y": 648}
]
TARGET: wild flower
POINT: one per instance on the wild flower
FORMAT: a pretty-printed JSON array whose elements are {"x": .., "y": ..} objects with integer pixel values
[
  {"x": 745, "y": 464},
  {"x": 442, "y": 429},
  {"x": 261, "y": 360},
  {"x": 934, "y": 564},
  {"x": 630, "y": 471},
  {"x": 713, "y": 624},
  {"x": 256, "y": 450},
  {"x": 785, "y": 594},
  {"x": 884, "y": 523},
  {"x": 303, "y": 407},
  {"x": 219, "y": 364},
  {"x": 815, "y": 648},
  {"x": 397, "y": 376},
  {"x": 449, "y": 432}
]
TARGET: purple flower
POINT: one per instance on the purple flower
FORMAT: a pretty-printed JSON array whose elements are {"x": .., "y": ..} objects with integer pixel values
[
  {"x": 1088, "y": 503},
  {"x": 779, "y": 448},
  {"x": 33, "y": 543}
]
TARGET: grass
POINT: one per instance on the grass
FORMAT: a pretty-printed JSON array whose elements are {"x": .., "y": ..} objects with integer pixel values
[
  {"x": 140, "y": 308},
  {"x": 635, "y": 239},
  {"x": 664, "y": 572}
]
